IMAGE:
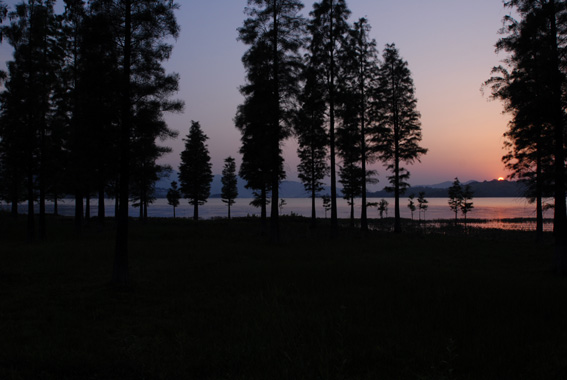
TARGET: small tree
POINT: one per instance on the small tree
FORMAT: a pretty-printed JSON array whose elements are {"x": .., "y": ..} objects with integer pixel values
[
  {"x": 456, "y": 197},
  {"x": 422, "y": 204},
  {"x": 195, "y": 169},
  {"x": 173, "y": 196},
  {"x": 467, "y": 204},
  {"x": 411, "y": 204},
  {"x": 326, "y": 203},
  {"x": 229, "y": 190},
  {"x": 282, "y": 204},
  {"x": 383, "y": 208}
]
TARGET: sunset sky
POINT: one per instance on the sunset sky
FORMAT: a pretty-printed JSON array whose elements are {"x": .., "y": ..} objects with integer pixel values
[{"x": 449, "y": 46}]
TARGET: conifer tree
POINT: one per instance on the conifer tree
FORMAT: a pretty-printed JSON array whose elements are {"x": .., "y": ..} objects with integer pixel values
[
  {"x": 456, "y": 197},
  {"x": 229, "y": 190},
  {"x": 398, "y": 131},
  {"x": 195, "y": 175},
  {"x": 328, "y": 28},
  {"x": 274, "y": 31},
  {"x": 360, "y": 66},
  {"x": 173, "y": 196}
]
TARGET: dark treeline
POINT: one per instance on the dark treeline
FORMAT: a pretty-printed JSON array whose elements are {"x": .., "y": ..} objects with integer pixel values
[
  {"x": 83, "y": 106},
  {"x": 532, "y": 84},
  {"x": 322, "y": 80}
]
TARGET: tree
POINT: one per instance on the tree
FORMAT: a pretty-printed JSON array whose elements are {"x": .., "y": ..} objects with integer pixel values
[
  {"x": 326, "y": 203},
  {"x": 525, "y": 85},
  {"x": 140, "y": 29},
  {"x": 312, "y": 137},
  {"x": 229, "y": 190},
  {"x": 328, "y": 29},
  {"x": 195, "y": 173},
  {"x": 383, "y": 207},
  {"x": 398, "y": 131},
  {"x": 532, "y": 87},
  {"x": 411, "y": 204},
  {"x": 467, "y": 204},
  {"x": 275, "y": 32},
  {"x": 29, "y": 107},
  {"x": 173, "y": 196},
  {"x": 360, "y": 64},
  {"x": 422, "y": 204},
  {"x": 456, "y": 198}
]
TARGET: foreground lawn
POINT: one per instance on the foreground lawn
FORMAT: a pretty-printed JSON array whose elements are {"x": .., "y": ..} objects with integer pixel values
[{"x": 214, "y": 300}]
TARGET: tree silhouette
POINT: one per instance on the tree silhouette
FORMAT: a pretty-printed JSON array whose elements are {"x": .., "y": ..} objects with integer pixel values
[
  {"x": 411, "y": 204},
  {"x": 195, "y": 173},
  {"x": 422, "y": 204},
  {"x": 274, "y": 31},
  {"x": 527, "y": 86},
  {"x": 383, "y": 207},
  {"x": 229, "y": 190},
  {"x": 466, "y": 204},
  {"x": 173, "y": 196},
  {"x": 140, "y": 31},
  {"x": 360, "y": 65},
  {"x": 312, "y": 137},
  {"x": 456, "y": 197},
  {"x": 328, "y": 28},
  {"x": 398, "y": 132}
]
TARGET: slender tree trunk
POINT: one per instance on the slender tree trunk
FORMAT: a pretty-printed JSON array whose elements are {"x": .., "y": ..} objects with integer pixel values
[
  {"x": 363, "y": 215},
  {"x": 334, "y": 216},
  {"x": 14, "y": 210},
  {"x": 313, "y": 209},
  {"x": 274, "y": 214},
  {"x": 539, "y": 192},
  {"x": 352, "y": 212},
  {"x": 31, "y": 216},
  {"x": 196, "y": 211},
  {"x": 120, "y": 274},
  {"x": 229, "y": 209},
  {"x": 173, "y": 212},
  {"x": 560, "y": 218},
  {"x": 55, "y": 206},
  {"x": 263, "y": 216}
]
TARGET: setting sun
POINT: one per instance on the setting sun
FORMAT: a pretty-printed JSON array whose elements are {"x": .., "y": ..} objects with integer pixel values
[{"x": 500, "y": 178}]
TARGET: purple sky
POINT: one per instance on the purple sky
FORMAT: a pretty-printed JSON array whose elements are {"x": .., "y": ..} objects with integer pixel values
[{"x": 449, "y": 45}]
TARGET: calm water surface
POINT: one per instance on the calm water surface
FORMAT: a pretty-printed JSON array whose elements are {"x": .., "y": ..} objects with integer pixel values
[{"x": 484, "y": 208}]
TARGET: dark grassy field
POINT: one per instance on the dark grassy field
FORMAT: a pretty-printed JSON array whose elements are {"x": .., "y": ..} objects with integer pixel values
[{"x": 214, "y": 300}]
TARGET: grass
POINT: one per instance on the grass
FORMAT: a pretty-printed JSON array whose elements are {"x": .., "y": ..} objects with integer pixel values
[{"x": 214, "y": 300}]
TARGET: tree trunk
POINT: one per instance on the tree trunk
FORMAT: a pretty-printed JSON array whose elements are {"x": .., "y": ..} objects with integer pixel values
[
  {"x": 120, "y": 273},
  {"x": 560, "y": 218},
  {"x": 196, "y": 211},
  {"x": 78, "y": 211}
]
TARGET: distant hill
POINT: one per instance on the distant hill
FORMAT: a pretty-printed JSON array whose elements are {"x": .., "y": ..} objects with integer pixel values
[
  {"x": 294, "y": 189},
  {"x": 485, "y": 189}
]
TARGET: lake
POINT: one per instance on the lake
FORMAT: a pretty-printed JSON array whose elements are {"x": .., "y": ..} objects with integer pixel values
[{"x": 484, "y": 208}]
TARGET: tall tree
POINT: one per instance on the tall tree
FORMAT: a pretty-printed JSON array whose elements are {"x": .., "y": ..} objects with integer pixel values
[
  {"x": 398, "y": 132},
  {"x": 229, "y": 190},
  {"x": 530, "y": 84},
  {"x": 328, "y": 28},
  {"x": 141, "y": 29},
  {"x": 312, "y": 138},
  {"x": 33, "y": 35},
  {"x": 274, "y": 30},
  {"x": 360, "y": 63},
  {"x": 195, "y": 173}
]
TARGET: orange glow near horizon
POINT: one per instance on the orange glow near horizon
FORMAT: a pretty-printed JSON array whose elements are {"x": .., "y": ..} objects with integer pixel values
[{"x": 500, "y": 178}]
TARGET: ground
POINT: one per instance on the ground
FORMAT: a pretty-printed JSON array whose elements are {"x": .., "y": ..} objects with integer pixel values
[{"x": 215, "y": 300}]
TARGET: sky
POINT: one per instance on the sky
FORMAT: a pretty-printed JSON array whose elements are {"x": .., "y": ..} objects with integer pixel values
[{"x": 449, "y": 47}]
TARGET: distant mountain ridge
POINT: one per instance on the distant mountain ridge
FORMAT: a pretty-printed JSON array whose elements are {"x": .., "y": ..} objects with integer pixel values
[
  {"x": 295, "y": 189},
  {"x": 485, "y": 189}
]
